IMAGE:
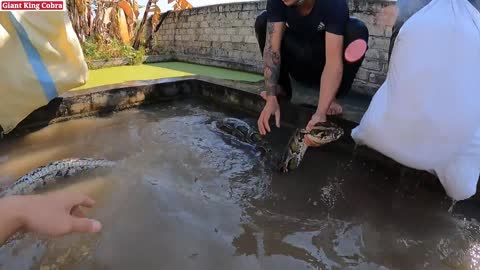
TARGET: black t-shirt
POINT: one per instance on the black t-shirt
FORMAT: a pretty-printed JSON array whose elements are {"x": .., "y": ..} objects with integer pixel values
[{"x": 326, "y": 16}]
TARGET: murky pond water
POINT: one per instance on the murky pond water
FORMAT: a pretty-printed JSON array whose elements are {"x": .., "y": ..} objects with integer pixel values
[{"x": 185, "y": 197}]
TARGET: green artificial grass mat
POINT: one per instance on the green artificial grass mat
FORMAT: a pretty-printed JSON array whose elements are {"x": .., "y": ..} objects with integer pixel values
[
  {"x": 209, "y": 71},
  {"x": 120, "y": 74}
]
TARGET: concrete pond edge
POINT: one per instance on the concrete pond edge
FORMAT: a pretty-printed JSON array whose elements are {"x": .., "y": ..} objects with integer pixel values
[{"x": 104, "y": 100}]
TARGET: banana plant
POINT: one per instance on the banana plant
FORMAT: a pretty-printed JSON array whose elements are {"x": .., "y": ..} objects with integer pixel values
[{"x": 178, "y": 6}]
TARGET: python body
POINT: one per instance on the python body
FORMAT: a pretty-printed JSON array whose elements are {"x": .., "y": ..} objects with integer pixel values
[
  {"x": 242, "y": 132},
  {"x": 48, "y": 174},
  {"x": 293, "y": 155},
  {"x": 291, "y": 159}
]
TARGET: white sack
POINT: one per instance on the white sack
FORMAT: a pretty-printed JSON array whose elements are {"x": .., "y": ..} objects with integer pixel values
[{"x": 426, "y": 115}]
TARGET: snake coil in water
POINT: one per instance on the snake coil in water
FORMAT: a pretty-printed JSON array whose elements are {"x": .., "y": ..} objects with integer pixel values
[
  {"x": 321, "y": 134},
  {"x": 48, "y": 174}
]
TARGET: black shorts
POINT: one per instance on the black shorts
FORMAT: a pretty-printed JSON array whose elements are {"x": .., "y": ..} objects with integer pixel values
[{"x": 304, "y": 59}]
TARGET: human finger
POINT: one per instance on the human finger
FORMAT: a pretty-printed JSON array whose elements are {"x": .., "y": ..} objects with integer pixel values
[
  {"x": 77, "y": 212},
  {"x": 310, "y": 125},
  {"x": 277, "y": 118},
  {"x": 263, "y": 94},
  {"x": 260, "y": 123},
  {"x": 330, "y": 111},
  {"x": 81, "y": 199},
  {"x": 266, "y": 117},
  {"x": 310, "y": 143},
  {"x": 85, "y": 225},
  {"x": 306, "y": 140}
]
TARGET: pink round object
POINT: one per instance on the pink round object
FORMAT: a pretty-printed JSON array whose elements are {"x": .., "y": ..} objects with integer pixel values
[{"x": 355, "y": 50}]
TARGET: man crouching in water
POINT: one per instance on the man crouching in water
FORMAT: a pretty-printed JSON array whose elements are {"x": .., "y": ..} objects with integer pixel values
[{"x": 315, "y": 42}]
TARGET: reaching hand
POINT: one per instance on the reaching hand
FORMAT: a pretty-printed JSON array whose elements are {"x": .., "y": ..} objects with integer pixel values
[
  {"x": 309, "y": 143},
  {"x": 316, "y": 118},
  {"x": 271, "y": 108},
  {"x": 57, "y": 214}
]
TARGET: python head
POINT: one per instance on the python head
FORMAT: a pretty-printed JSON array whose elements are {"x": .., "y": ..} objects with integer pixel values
[{"x": 323, "y": 133}]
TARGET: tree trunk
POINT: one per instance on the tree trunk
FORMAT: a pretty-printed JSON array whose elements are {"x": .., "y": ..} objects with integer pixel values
[
  {"x": 101, "y": 31},
  {"x": 136, "y": 41},
  {"x": 78, "y": 11}
]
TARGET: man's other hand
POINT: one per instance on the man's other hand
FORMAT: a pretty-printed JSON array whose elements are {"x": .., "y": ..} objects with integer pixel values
[{"x": 271, "y": 108}]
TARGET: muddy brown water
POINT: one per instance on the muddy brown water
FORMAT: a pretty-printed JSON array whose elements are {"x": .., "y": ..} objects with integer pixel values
[{"x": 186, "y": 197}]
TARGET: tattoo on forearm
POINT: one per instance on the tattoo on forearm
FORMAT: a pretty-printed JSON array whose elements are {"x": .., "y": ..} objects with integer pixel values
[{"x": 272, "y": 61}]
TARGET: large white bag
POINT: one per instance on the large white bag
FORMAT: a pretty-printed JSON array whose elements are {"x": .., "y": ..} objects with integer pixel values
[
  {"x": 426, "y": 115},
  {"x": 41, "y": 59}
]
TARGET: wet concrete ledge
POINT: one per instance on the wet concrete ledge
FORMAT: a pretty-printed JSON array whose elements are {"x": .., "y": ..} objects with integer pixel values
[{"x": 104, "y": 100}]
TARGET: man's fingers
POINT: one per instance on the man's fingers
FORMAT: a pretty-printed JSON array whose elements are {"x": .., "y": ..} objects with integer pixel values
[
  {"x": 277, "y": 118},
  {"x": 266, "y": 117},
  {"x": 309, "y": 126},
  {"x": 78, "y": 212},
  {"x": 260, "y": 123},
  {"x": 263, "y": 94},
  {"x": 85, "y": 225},
  {"x": 306, "y": 140},
  {"x": 309, "y": 143},
  {"x": 81, "y": 199},
  {"x": 263, "y": 120}
]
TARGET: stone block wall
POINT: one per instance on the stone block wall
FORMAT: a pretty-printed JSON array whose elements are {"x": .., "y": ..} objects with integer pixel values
[
  {"x": 219, "y": 35},
  {"x": 379, "y": 17},
  {"x": 223, "y": 35}
]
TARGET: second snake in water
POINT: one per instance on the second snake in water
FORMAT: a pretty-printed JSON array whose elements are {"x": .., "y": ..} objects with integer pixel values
[{"x": 321, "y": 134}]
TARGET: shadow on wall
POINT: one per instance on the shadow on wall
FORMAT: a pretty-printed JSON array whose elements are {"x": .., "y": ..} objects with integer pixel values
[
  {"x": 406, "y": 9},
  {"x": 41, "y": 117}
]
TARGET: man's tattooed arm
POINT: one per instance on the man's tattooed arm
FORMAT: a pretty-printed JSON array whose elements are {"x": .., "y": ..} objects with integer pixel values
[{"x": 271, "y": 57}]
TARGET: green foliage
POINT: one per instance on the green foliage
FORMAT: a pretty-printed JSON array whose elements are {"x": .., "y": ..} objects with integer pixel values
[
  {"x": 138, "y": 59},
  {"x": 96, "y": 49}
]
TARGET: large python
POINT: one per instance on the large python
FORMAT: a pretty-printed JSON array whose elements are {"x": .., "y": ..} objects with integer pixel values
[
  {"x": 320, "y": 134},
  {"x": 49, "y": 173},
  {"x": 242, "y": 132},
  {"x": 291, "y": 159}
]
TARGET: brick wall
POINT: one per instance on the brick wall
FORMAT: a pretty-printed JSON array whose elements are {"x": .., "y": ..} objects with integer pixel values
[
  {"x": 378, "y": 15},
  {"x": 223, "y": 35}
]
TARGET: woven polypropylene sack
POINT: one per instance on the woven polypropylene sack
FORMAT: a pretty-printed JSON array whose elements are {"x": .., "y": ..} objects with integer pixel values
[
  {"x": 426, "y": 115},
  {"x": 41, "y": 59}
]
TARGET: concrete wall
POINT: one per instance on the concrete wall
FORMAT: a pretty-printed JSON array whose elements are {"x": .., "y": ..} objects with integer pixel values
[{"x": 223, "y": 35}]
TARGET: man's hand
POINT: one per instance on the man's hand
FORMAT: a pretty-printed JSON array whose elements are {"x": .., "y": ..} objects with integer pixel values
[
  {"x": 57, "y": 214},
  {"x": 316, "y": 118},
  {"x": 271, "y": 108}
]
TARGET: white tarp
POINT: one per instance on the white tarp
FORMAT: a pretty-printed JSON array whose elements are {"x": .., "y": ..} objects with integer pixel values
[{"x": 426, "y": 115}]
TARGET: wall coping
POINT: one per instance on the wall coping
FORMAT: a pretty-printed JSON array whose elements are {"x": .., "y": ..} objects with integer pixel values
[{"x": 262, "y": 1}]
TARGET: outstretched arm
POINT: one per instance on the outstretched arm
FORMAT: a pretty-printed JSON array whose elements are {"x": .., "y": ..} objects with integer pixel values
[
  {"x": 330, "y": 79},
  {"x": 53, "y": 214},
  {"x": 335, "y": 28},
  {"x": 332, "y": 73},
  {"x": 272, "y": 60}
]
